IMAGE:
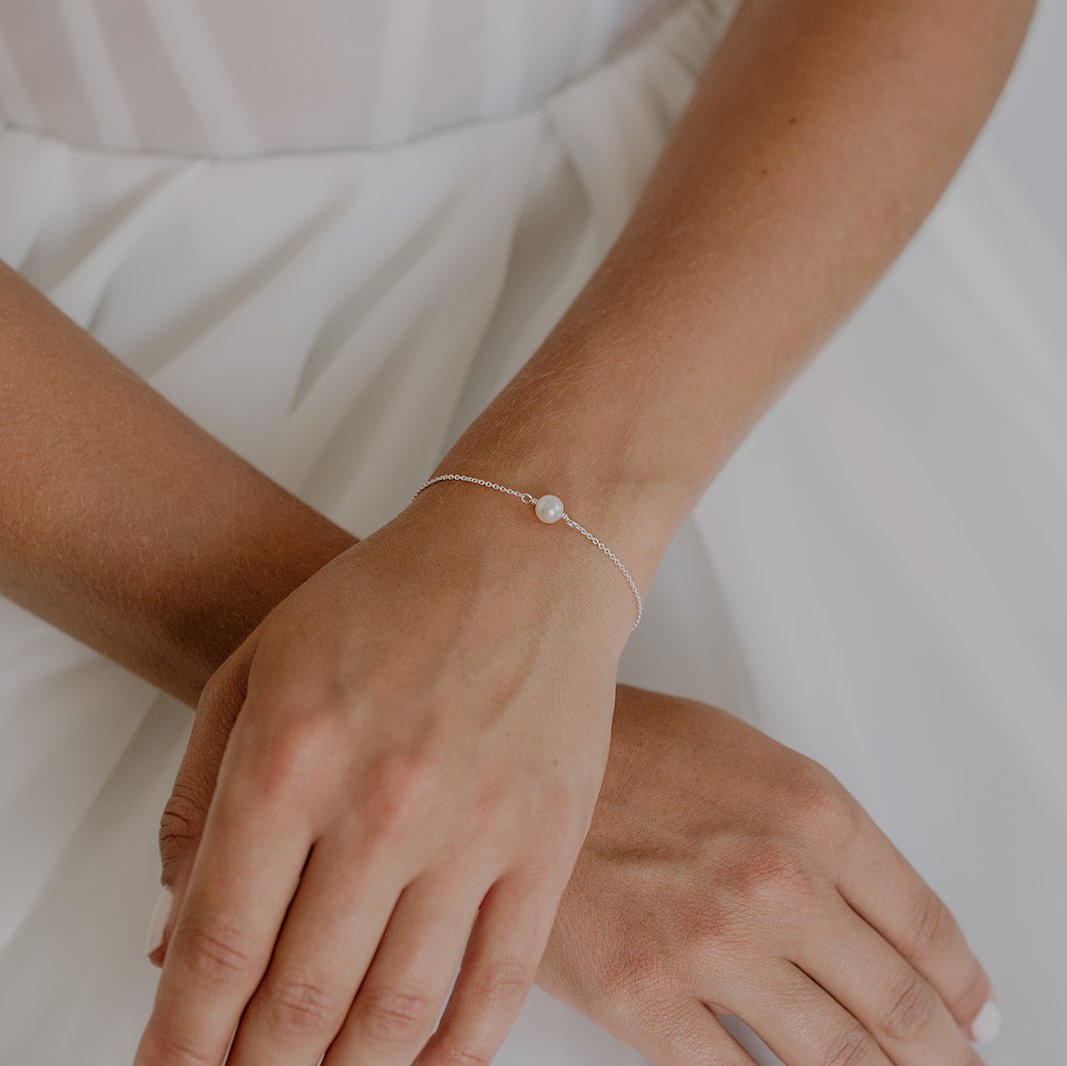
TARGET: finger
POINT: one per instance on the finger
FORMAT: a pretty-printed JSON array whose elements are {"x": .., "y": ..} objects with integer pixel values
[
  {"x": 681, "y": 1034},
  {"x": 804, "y": 1025},
  {"x": 501, "y": 960},
  {"x": 872, "y": 980},
  {"x": 883, "y": 888},
  {"x": 401, "y": 997},
  {"x": 185, "y": 813},
  {"x": 245, "y": 873},
  {"x": 326, "y": 944}
]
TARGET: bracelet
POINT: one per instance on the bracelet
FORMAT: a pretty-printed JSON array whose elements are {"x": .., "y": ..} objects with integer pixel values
[{"x": 549, "y": 509}]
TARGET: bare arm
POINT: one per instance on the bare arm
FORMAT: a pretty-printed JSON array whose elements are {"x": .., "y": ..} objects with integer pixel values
[
  {"x": 239, "y": 543},
  {"x": 820, "y": 135},
  {"x": 817, "y": 140},
  {"x": 123, "y": 522},
  {"x": 628, "y": 407}
]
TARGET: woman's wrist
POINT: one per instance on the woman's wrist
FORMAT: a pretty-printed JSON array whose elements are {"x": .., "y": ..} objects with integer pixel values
[
  {"x": 539, "y": 437},
  {"x": 123, "y": 522},
  {"x": 232, "y": 585},
  {"x": 499, "y": 541},
  {"x": 790, "y": 182}
]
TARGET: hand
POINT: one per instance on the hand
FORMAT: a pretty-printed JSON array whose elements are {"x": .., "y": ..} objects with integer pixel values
[
  {"x": 418, "y": 737},
  {"x": 726, "y": 874}
]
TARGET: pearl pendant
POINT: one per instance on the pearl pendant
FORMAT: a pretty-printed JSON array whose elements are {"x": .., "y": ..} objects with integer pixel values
[{"x": 549, "y": 509}]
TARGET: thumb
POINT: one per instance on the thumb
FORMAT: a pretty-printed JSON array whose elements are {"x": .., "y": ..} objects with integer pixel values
[{"x": 185, "y": 813}]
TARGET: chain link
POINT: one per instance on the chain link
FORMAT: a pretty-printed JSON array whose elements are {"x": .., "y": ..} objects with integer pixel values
[{"x": 526, "y": 497}]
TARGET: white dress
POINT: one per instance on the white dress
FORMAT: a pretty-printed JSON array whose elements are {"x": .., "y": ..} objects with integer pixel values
[{"x": 329, "y": 232}]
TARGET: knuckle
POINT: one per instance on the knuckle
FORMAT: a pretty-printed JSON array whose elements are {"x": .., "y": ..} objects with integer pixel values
[
  {"x": 219, "y": 690},
  {"x": 295, "y": 1008},
  {"x": 217, "y": 952},
  {"x": 503, "y": 984},
  {"x": 715, "y": 932},
  {"x": 491, "y": 833},
  {"x": 663, "y": 1022},
  {"x": 297, "y": 752},
  {"x": 912, "y": 1007},
  {"x": 773, "y": 880},
  {"x": 174, "y": 1049},
  {"x": 214, "y": 693},
  {"x": 932, "y": 927},
  {"x": 823, "y": 806},
  {"x": 404, "y": 783},
  {"x": 179, "y": 827},
  {"x": 636, "y": 984},
  {"x": 453, "y": 1054},
  {"x": 398, "y": 1015},
  {"x": 853, "y": 1046}
]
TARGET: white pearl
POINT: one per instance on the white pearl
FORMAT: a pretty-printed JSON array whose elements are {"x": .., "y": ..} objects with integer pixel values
[{"x": 549, "y": 508}]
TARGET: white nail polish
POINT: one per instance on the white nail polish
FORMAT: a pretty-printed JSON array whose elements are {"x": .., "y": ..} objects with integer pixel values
[
  {"x": 157, "y": 924},
  {"x": 986, "y": 1023}
]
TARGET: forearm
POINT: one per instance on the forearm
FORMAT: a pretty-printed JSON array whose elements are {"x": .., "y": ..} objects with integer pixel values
[
  {"x": 124, "y": 523},
  {"x": 818, "y": 138}
]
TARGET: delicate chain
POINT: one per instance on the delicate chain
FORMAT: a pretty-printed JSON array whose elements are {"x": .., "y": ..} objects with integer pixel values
[
  {"x": 526, "y": 497},
  {"x": 615, "y": 559}
]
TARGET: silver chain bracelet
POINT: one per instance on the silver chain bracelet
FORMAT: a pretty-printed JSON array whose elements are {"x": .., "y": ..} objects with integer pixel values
[{"x": 548, "y": 509}]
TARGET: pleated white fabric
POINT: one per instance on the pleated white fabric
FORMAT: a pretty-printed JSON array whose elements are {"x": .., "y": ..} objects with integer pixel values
[
  {"x": 234, "y": 78},
  {"x": 876, "y": 578}
]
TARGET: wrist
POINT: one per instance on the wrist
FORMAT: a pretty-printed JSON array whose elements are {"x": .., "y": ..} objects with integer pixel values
[
  {"x": 543, "y": 566},
  {"x": 250, "y": 576},
  {"x": 618, "y": 512},
  {"x": 558, "y": 427}
]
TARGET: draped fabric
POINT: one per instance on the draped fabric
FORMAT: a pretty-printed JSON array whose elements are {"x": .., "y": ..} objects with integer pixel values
[
  {"x": 330, "y": 232},
  {"x": 183, "y": 77}
]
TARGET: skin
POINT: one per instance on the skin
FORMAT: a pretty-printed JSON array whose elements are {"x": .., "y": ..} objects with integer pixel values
[
  {"x": 817, "y": 140},
  {"x": 727, "y": 874},
  {"x": 814, "y": 146},
  {"x": 713, "y": 852},
  {"x": 162, "y": 565}
]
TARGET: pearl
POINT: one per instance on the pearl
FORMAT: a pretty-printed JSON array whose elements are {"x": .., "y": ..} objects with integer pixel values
[{"x": 549, "y": 508}]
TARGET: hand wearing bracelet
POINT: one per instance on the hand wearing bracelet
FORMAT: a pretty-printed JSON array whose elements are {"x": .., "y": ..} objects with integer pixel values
[
  {"x": 701, "y": 826},
  {"x": 410, "y": 778}
]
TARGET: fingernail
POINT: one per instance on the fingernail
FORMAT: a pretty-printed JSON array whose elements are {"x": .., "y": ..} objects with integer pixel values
[
  {"x": 986, "y": 1023},
  {"x": 157, "y": 924}
]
